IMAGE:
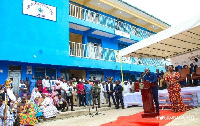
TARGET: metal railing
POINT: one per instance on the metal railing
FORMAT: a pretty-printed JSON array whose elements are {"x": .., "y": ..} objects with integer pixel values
[
  {"x": 97, "y": 18},
  {"x": 100, "y": 53},
  {"x": 91, "y": 51}
]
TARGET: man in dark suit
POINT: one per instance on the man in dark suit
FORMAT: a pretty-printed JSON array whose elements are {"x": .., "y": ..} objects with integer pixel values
[
  {"x": 110, "y": 91},
  {"x": 151, "y": 77},
  {"x": 118, "y": 95}
]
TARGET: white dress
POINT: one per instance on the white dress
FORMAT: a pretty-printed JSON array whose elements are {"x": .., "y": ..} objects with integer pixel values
[
  {"x": 10, "y": 119},
  {"x": 48, "y": 109}
]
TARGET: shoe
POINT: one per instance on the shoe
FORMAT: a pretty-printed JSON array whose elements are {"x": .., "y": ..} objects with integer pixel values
[
  {"x": 123, "y": 108},
  {"x": 109, "y": 106},
  {"x": 92, "y": 107},
  {"x": 99, "y": 107},
  {"x": 72, "y": 110},
  {"x": 117, "y": 108},
  {"x": 102, "y": 103},
  {"x": 157, "y": 113}
]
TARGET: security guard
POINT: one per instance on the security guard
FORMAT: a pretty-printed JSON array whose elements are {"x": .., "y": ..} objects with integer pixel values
[
  {"x": 96, "y": 94},
  {"x": 118, "y": 95}
]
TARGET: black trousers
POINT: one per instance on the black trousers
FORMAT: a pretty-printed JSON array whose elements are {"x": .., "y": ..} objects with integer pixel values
[
  {"x": 119, "y": 97},
  {"x": 70, "y": 98},
  {"x": 111, "y": 95},
  {"x": 81, "y": 99},
  {"x": 61, "y": 106},
  {"x": 155, "y": 97},
  {"x": 59, "y": 91}
]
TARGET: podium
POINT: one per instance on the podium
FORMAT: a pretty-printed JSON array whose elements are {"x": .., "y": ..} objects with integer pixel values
[{"x": 147, "y": 98}]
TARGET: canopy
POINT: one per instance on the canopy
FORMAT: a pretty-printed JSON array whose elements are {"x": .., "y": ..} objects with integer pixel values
[{"x": 168, "y": 43}]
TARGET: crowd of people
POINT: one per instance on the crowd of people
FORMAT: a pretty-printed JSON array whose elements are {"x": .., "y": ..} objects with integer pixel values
[
  {"x": 188, "y": 82},
  {"x": 45, "y": 98}
]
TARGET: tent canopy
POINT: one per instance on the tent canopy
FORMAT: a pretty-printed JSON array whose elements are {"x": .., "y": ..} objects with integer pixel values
[{"x": 168, "y": 43}]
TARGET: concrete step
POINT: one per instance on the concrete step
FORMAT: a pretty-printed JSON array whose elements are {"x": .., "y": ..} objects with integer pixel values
[{"x": 80, "y": 111}]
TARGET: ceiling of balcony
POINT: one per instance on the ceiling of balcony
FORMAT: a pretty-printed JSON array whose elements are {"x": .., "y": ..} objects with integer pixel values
[
  {"x": 97, "y": 32},
  {"x": 125, "y": 12}
]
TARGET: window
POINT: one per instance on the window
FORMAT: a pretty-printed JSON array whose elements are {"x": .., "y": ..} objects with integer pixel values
[
  {"x": 121, "y": 46},
  {"x": 126, "y": 76},
  {"x": 94, "y": 40},
  {"x": 98, "y": 75},
  {"x": 39, "y": 71}
]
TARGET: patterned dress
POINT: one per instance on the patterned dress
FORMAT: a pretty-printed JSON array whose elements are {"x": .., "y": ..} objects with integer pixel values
[
  {"x": 174, "y": 92},
  {"x": 27, "y": 115},
  {"x": 37, "y": 109}
]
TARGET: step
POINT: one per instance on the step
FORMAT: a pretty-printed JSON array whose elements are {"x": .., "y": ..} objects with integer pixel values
[{"x": 80, "y": 111}]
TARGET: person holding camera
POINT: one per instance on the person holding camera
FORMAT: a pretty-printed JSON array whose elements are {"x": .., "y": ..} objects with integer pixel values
[{"x": 69, "y": 95}]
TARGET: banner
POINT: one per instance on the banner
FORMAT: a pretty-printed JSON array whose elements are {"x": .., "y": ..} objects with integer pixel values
[{"x": 40, "y": 10}]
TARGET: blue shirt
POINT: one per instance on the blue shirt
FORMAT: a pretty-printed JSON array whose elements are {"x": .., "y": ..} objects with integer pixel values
[
  {"x": 151, "y": 78},
  {"x": 158, "y": 75},
  {"x": 88, "y": 87},
  {"x": 32, "y": 83}
]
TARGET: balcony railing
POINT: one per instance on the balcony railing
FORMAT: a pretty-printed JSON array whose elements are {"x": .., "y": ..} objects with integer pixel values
[
  {"x": 100, "y": 53},
  {"x": 94, "y": 17},
  {"x": 91, "y": 51}
]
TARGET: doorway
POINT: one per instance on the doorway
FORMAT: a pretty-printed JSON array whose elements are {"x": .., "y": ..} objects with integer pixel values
[{"x": 15, "y": 73}]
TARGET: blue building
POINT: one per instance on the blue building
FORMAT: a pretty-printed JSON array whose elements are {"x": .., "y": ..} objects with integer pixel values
[{"x": 79, "y": 38}]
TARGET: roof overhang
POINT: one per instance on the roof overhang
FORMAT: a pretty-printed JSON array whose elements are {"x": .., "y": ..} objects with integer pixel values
[{"x": 171, "y": 42}]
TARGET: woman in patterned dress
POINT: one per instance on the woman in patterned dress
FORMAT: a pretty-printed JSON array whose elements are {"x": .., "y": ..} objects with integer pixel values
[
  {"x": 26, "y": 113},
  {"x": 174, "y": 89},
  {"x": 37, "y": 109}
]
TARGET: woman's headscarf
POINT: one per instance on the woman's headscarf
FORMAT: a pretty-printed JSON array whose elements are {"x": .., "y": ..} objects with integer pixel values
[{"x": 45, "y": 91}]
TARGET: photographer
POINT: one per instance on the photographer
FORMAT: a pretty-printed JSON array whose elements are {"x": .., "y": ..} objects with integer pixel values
[{"x": 69, "y": 96}]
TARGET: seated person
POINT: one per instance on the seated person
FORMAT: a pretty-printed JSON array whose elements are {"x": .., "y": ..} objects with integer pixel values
[
  {"x": 35, "y": 93},
  {"x": 54, "y": 94},
  {"x": 61, "y": 103},
  {"x": 26, "y": 110},
  {"x": 47, "y": 107}
]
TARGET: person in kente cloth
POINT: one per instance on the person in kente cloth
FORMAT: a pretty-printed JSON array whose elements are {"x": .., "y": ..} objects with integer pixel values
[{"x": 96, "y": 94}]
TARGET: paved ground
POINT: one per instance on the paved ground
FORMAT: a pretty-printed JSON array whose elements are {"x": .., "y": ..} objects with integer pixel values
[{"x": 190, "y": 118}]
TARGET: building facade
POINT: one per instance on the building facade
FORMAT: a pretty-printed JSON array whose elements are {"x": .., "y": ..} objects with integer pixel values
[{"x": 78, "y": 38}]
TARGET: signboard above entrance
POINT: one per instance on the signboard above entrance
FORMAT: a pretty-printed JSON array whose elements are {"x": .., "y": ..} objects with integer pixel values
[{"x": 40, "y": 10}]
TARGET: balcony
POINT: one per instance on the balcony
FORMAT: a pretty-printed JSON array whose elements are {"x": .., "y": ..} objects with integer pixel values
[
  {"x": 99, "y": 53},
  {"x": 103, "y": 20}
]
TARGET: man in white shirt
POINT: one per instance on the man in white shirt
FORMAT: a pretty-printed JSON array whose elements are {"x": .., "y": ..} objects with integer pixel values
[
  {"x": 46, "y": 82},
  {"x": 101, "y": 85},
  {"x": 105, "y": 92},
  {"x": 126, "y": 87},
  {"x": 64, "y": 87}
]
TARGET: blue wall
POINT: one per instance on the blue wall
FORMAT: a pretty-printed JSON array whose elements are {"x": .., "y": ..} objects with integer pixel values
[
  {"x": 23, "y": 36},
  {"x": 31, "y": 40}
]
